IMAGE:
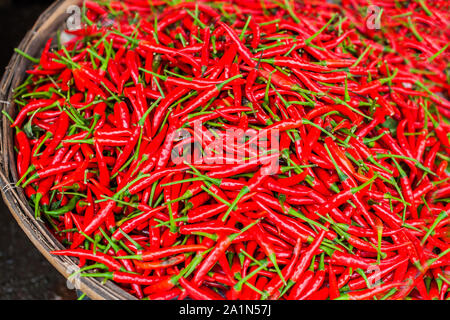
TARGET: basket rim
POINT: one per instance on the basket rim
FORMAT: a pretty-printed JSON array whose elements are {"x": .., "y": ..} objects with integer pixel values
[{"x": 14, "y": 197}]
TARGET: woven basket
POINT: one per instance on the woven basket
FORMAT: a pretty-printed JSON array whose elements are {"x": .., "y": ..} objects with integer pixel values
[{"x": 33, "y": 43}]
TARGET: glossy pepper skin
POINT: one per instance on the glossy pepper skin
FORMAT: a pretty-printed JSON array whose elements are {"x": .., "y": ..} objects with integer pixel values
[{"x": 244, "y": 149}]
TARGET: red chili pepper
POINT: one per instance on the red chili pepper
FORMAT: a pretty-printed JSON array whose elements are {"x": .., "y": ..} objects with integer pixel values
[
  {"x": 316, "y": 283},
  {"x": 122, "y": 115},
  {"x": 61, "y": 127},
  {"x": 305, "y": 260},
  {"x": 104, "y": 174},
  {"x": 333, "y": 290},
  {"x": 132, "y": 64},
  {"x": 165, "y": 252},
  {"x": 96, "y": 222},
  {"x": 303, "y": 283},
  {"x": 123, "y": 157},
  {"x": 221, "y": 246},
  {"x": 161, "y": 264},
  {"x": 204, "y": 97},
  {"x": 165, "y": 104},
  {"x": 52, "y": 171},
  {"x": 87, "y": 254},
  {"x": 198, "y": 293},
  {"x": 244, "y": 52},
  {"x": 345, "y": 259},
  {"x": 133, "y": 223},
  {"x": 24, "y": 156},
  {"x": 208, "y": 227},
  {"x": 356, "y": 176},
  {"x": 369, "y": 293},
  {"x": 32, "y": 106}
]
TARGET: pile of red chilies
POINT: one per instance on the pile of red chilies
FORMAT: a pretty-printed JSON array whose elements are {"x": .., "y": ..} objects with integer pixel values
[{"x": 358, "y": 206}]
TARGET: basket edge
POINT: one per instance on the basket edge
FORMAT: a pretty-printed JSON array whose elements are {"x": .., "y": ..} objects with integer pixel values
[{"x": 35, "y": 231}]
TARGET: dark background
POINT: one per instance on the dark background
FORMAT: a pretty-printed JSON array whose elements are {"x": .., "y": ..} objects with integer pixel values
[{"x": 24, "y": 272}]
